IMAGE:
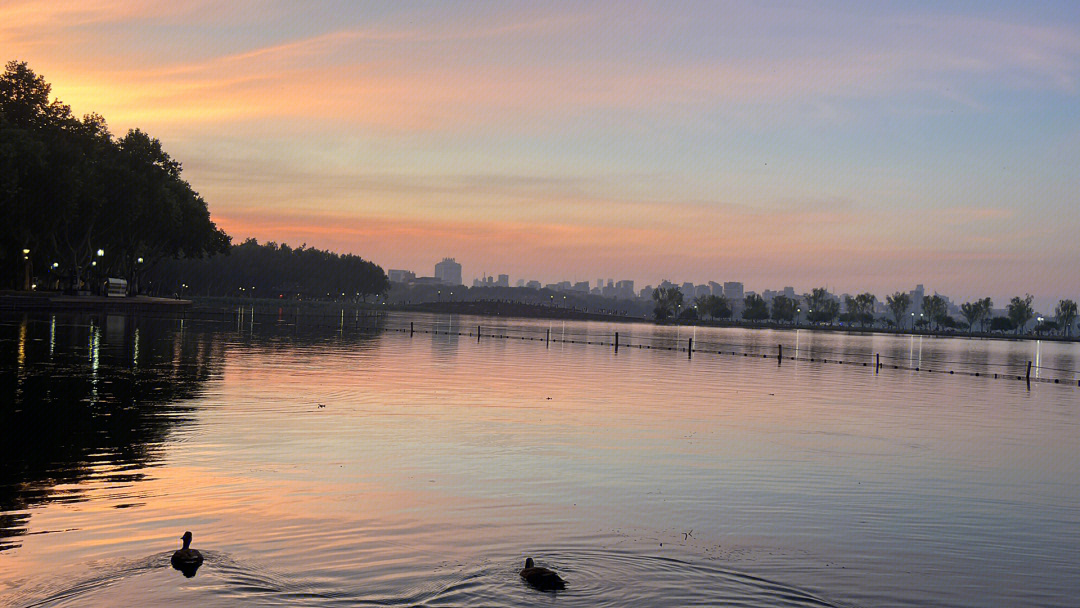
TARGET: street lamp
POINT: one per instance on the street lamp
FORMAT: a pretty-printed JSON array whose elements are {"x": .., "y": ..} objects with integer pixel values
[
  {"x": 28, "y": 270},
  {"x": 100, "y": 252}
]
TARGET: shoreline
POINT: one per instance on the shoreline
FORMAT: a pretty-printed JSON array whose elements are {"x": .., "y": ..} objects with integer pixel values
[
  {"x": 55, "y": 302},
  {"x": 535, "y": 311}
]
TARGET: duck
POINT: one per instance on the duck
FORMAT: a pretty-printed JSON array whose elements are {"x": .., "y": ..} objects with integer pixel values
[
  {"x": 187, "y": 559},
  {"x": 541, "y": 578}
]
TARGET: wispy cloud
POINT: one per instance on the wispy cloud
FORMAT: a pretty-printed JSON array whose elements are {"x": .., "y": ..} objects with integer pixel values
[{"x": 532, "y": 69}]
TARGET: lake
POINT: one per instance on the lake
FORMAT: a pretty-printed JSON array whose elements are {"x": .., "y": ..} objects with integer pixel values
[{"x": 358, "y": 463}]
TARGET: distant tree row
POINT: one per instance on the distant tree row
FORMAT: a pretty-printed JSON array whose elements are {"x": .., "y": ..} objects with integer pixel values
[
  {"x": 78, "y": 204},
  {"x": 820, "y": 307},
  {"x": 271, "y": 271}
]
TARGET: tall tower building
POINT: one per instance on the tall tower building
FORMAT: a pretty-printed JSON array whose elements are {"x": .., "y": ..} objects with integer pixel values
[{"x": 448, "y": 271}]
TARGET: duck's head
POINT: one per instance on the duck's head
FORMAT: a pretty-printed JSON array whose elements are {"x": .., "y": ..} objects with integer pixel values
[
  {"x": 186, "y": 538},
  {"x": 528, "y": 562}
]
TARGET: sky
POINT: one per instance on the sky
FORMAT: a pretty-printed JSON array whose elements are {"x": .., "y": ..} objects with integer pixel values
[{"x": 858, "y": 146}]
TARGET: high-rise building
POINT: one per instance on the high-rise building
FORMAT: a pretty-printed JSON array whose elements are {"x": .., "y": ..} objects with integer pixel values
[
  {"x": 448, "y": 271},
  {"x": 733, "y": 291},
  {"x": 504, "y": 281},
  {"x": 916, "y": 298}
]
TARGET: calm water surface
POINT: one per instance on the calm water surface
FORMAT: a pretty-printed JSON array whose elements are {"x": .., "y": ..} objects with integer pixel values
[{"x": 359, "y": 465}]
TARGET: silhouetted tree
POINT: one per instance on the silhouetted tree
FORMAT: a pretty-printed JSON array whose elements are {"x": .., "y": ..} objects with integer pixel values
[
  {"x": 898, "y": 305},
  {"x": 668, "y": 302},
  {"x": 976, "y": 312},
  {"x": 1020, "y": 311},
  {"x": 783, "y": 309},
  {"x": 822, "y": 307},
  {"x": 1066, "y": 315},
  {"x": 755, "y": 308},
  {"x": 716, "y": 307},
  {"x": 866, "y": 302},
  {"x": 70, "y": 190},
  {"x": 936, "y": 310},
  {"x": 273, "y": 271},
  {"x": 1002, "y": 324}
]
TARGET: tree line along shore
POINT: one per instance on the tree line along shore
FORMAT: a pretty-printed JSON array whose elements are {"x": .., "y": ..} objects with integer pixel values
[
  {"x": 819, "y": 308},
  {"x": 82, "y": 207}
]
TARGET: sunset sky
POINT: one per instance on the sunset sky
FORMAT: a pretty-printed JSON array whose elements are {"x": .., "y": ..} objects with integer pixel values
[{"x": 862, "y": 146}]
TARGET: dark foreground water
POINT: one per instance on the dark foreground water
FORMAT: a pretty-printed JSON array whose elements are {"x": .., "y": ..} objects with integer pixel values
[{"x": 360, "y": 465}]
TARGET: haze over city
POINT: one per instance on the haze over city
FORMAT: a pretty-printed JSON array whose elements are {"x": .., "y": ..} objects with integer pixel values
[{"x": 860, "y": 147}]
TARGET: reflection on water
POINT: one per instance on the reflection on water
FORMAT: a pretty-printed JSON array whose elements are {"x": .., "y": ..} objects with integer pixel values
[
  {"x": 83, "y": 403},
  {"x": 366, "y": 464}
]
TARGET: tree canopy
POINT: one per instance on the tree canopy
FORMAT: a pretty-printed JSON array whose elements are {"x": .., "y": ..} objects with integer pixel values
[
  {"x": 272, "y": 271},
  {"x": 822, "y": 307},
  {"x": 81, "y": 205},
  {"x": 1020, "y": 311}
]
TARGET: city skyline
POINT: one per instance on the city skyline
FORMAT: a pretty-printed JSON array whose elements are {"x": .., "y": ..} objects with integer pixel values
[
  {"x": 504, "y": 279},
  {"x": 861, "y": 147}
]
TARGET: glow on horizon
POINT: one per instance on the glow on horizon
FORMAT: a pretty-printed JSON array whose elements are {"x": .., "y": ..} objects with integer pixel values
[{"x": 864, "y": 147}]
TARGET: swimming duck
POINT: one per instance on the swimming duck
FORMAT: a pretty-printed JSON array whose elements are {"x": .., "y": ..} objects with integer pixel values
[
  {"x": 541, "y": 578},
  {"x": 187, "y": 559}
]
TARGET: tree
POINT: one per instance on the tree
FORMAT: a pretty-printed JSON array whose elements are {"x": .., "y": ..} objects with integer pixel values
[
  {"x": 783, "y": 309},
  {"x": 714, "y": 306},
  {"x": 1066, "y": 315},
  {"x": 271, "y": 271},
  {"x": 1020, "y": 311},
  {"x": 971, "y": 312},
  {"x": 865, "y": 303},
  {"x": 1002, "y": 324},
  {"x": 976, "y": 312},
  {"x": 936, "y": 310},
  {"x": 860, "y": 309},
  {"x": 71, "y": 190},
  {"x": 668, "y": 301},
  {"x": 822, "y": 307},
  {"x": 756, "y": 308},
  {"x": 898, "y": 305}
]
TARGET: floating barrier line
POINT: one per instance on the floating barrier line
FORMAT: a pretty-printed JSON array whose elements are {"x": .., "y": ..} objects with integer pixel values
[{"x": 246, "y": 318}]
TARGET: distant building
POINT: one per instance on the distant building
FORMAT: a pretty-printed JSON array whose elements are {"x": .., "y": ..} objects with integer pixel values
[
  {"x": 503, "y": 281},
  {"x": 533, "y": 285},
  {"x": 715, "y": 288},
  {"x": 789, "y": 292},
  {"x": 581, "y": 286},
  {"x": 733, "y": 291},
  {"x": 401, "y": 276},
  {"x": 449, "y": 271},
  {"x": 520, "y": 283},
  {"x": 916, "y": 298},
  {"x": 702, "y": 290},
  {"x": 624, "y": 289}
]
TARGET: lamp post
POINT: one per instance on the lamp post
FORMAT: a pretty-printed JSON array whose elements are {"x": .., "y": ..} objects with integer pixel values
[{"x": 28, "y": 270}]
